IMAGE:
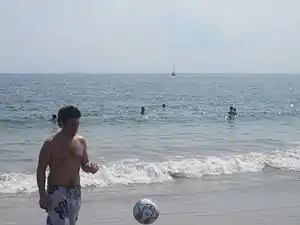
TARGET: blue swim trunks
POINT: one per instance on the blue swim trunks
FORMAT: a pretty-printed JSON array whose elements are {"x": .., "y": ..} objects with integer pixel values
[{"x": 64, "y": 205}]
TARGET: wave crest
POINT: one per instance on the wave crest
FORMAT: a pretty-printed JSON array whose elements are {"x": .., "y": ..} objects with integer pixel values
[{"x": 139, "y": 172}]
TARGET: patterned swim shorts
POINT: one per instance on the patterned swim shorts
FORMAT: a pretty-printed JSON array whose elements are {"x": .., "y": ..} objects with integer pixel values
[{"x": 64, "y": 205}]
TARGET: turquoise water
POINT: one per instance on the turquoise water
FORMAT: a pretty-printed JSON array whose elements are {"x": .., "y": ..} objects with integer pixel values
[{"x": 190, "y": 139}]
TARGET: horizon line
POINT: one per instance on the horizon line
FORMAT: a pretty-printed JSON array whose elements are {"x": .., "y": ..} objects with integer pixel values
[{"x": 149, "y": 73}]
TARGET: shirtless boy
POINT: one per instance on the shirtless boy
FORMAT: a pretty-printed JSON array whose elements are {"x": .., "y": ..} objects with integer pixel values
[{"x": 65, "y": 153}]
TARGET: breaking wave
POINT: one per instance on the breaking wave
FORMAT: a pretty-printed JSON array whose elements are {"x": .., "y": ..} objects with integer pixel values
[{"x": 139, "y": 172}]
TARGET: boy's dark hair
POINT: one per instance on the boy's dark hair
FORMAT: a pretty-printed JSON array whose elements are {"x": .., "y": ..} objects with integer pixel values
[{"x": 67, "y": 112}]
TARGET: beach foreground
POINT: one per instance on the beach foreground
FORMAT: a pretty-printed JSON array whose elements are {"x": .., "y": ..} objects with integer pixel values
[{"x": 271, "y": 199}]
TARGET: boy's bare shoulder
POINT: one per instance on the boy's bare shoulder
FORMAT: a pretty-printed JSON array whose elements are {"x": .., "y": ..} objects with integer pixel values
[
  {"x": 50, "y": 139},
  {"x": 48, "y": 142},
  {"x": 81, "y": 139},
  {"x": 46, "y": 148}
]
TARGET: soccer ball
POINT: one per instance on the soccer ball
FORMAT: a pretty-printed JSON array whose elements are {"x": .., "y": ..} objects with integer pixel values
[{"x": 145, "y": 211}]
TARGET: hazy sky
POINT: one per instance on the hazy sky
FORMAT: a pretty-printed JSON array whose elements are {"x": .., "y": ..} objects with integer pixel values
[{"x": 147, "y": 35}]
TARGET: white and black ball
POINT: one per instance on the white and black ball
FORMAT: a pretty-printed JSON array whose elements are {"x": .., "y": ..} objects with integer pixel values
[{"x": 145, "y": 211}]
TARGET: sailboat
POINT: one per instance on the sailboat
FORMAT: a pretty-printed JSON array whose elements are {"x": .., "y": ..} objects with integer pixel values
[{"x": 173, "y": 73}]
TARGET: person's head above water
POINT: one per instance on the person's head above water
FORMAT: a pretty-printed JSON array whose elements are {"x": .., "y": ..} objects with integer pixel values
[
  {"x": 54, "y": 117},
  {"x": 164, "y": 105},
  {"x": 231, "y": 108},
  {"x": 68, "y": 120}
]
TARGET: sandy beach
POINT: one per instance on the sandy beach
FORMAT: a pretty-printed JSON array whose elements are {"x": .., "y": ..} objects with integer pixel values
[{"x": 208, "y": 201}]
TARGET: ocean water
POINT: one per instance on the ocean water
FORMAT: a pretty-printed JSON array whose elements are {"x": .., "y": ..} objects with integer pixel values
[{"x": 188, "y": 156}]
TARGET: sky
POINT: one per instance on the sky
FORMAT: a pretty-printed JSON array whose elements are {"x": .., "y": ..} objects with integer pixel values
[{"x": 139, "y": 36}]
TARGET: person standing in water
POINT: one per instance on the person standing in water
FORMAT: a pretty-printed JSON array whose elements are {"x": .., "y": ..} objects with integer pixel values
[
  {"x": 143, "y": 110},
  {"x": 54, "y": 117},
  {"x": 65, "y": 153},
  {"x": 232, "y": 112}
]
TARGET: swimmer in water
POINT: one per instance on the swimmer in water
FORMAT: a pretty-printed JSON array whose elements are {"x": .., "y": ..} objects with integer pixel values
[
  {"x": 54, "y": 117},
  {"x": 231, "y": 113},
  {"x": 234, "y": 112},
  {"x": 164, "y": 105},
  {"x": 143, "y": 110}
]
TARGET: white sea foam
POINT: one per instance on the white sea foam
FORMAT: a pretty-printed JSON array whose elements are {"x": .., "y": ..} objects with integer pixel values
[{"x": 138, "y": 172}]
